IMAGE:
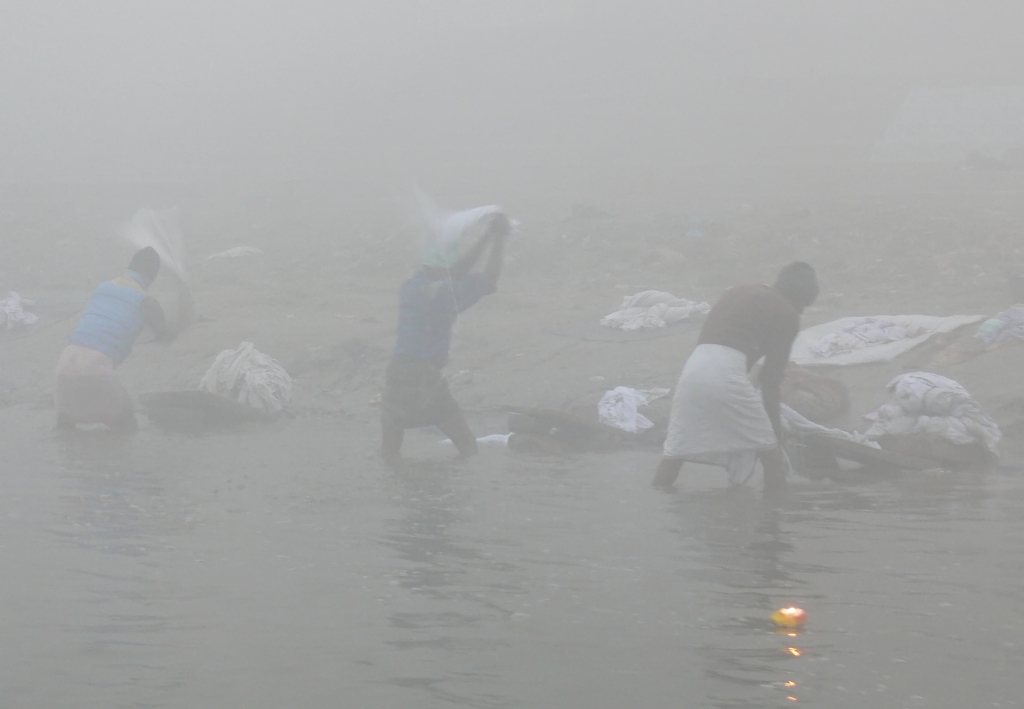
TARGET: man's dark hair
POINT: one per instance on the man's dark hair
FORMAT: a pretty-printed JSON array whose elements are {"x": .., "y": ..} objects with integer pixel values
[
  {"x": 146, "y": 263},
  {"x": 798, "y": 283}
]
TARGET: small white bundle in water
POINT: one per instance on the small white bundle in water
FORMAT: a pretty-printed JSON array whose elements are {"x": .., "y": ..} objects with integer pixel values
[{"x": 249, "y": 377}]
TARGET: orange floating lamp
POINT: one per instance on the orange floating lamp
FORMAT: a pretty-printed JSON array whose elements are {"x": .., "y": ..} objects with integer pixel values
[{"x": 789, "y": 617}]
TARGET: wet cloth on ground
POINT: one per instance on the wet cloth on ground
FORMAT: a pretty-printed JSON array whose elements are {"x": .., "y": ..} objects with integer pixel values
[
  {"x": 653, "y": 309},
  {"x": 416, "y": 394},
  {"x": 866, "y": 332},
  {"x": 930, "y": 404},
  {"x": 718, "y": 417},
  {"x": 89, "y": 390}
]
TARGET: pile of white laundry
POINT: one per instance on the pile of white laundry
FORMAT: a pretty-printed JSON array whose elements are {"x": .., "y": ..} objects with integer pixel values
[
  {"x": 867, "y": 332},
  {"x": 249, "y": 377},
  {"x": 12, "y": 311},
  {"x": 652, "y": 308},
  {"x": 620, "y": 408},
  {"x": 926, "y": 403}
]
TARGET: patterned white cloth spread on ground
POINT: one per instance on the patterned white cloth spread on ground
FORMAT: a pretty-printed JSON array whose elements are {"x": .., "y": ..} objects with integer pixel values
[
  {"x": 249, "y": 377},
  {"x": 651, "y": 308},
  {"x": 922, "y": 402},
  {"x": 867, "y": 332},
  {"x": 12, "y": 311},
  {"x": 827, "y": 344}
]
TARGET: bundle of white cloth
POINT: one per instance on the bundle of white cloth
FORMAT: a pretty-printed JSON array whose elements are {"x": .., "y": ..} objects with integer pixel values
[
  {"x": 866, "y": 332},
  {"x": 620, "y": 408},
  {"x": 249, "y": 377},
  {"x": 926, "y": 403},
  {"x": 12, "y": 311},
  {"x": 652, "y": 308},
  {"x": 444, "y": 235}
]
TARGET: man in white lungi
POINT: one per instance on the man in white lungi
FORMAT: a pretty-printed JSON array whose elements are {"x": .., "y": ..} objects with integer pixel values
[{"x": 718, "y": 417}]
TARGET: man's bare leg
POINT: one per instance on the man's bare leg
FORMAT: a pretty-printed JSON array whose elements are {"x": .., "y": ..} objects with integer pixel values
[
  {"x": 391, "y": 444},
  {"x": 457, "y": 429},
  {"x": 668, "y": 471},
  {"x": 775, "y": 467}
]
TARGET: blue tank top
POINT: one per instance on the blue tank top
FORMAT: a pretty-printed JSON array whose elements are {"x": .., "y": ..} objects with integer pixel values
[{"x": 113, "y": 319}]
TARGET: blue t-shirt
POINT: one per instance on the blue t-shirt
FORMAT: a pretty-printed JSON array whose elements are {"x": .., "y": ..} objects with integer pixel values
[{"x": 428, "y": 308}]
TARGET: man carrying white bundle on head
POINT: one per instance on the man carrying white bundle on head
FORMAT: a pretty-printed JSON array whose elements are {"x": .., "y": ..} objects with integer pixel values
[
  {"x": 718, "y": 417},
  {"x": 416, "y": 393}
]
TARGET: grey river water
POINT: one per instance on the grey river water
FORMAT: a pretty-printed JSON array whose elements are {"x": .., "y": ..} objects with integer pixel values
[{"x": 275, "y": 568}]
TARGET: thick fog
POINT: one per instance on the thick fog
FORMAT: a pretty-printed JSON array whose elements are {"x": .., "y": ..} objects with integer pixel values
[
  {"x": 330, "y": 444},
  {"x": 461, "y": 89}
]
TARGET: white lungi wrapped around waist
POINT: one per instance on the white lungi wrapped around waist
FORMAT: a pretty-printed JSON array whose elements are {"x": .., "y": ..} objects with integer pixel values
[{"x": 718, "y": 416}]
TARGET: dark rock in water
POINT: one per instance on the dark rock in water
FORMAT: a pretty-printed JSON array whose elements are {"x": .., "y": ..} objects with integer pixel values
[
  {"x": 550, "y": 432},
  {"x": 196, "y": 412}
]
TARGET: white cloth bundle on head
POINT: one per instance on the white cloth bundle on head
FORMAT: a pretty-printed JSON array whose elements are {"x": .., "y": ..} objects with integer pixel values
[
  {"x": 159, "y": 229},
  {"x": 444, "y": 235},
  {"x": 249, "y": 377}
]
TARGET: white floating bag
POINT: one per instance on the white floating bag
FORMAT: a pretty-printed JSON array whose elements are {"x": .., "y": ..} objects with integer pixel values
[{"x": 249, "y": 377}]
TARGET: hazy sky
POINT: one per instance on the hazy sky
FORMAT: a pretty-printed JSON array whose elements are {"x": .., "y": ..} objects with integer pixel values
[{"x": 102, "y": 90}]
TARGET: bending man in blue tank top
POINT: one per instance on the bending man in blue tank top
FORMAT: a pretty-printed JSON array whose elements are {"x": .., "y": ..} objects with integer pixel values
[
  {"x": 88, "y": 389},
  {"x": 416, "y": 392}
]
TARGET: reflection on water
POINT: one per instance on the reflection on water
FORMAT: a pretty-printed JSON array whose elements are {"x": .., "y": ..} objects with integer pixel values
[{"x": 264, "y": 571}]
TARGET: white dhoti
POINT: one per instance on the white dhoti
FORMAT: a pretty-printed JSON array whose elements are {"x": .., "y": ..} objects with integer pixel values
[{"x": 718, "y": 417}]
